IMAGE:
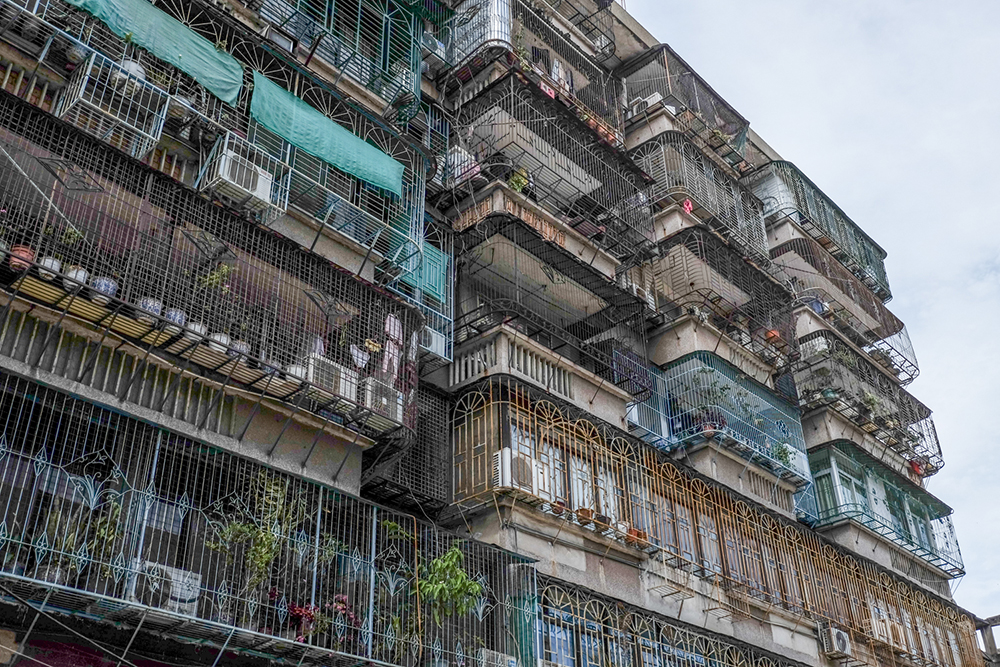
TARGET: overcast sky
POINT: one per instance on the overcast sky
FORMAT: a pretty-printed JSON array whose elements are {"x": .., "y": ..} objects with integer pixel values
[{"x": 892, "y": 107}]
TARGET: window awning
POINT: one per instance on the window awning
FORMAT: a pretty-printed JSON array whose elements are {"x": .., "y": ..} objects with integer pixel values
[
  {"x": 170, "y": 40},
  {"x": 301, "y": 125}
]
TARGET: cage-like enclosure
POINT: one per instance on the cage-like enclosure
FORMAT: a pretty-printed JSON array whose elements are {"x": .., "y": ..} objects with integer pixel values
[
  {"x": 511, "y": 443},
  {"x": 833, "y": 374},
  {"x": 376, "y": 42},
  {"x": 661, "y": 76},
  {"x": 509, "y": 274},
  {"x": 107, "y": 241},
  {"x": 121, "y": 521},
  {"x": 834, "y": 293},
  {"x": 699, "y": 274},
  {"x": 851, "y": 484},
  {"x": 500, "y": 27},
  {"x": 419, "y": 480},
  {"x": 684, "y": 174},
  {"x": 150, "y": 109},
  {"x": 787, "y": 193},
  {"x": 709, "y": 398},
  {"x": 514, "y": 133}
]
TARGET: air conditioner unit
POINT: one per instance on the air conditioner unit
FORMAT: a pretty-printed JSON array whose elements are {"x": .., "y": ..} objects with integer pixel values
[
  {"x": 487, "y": 658},
  {"x": 280, "y": 38},
  {"x": 836, "y": 643},
  {"x": 434, "y": 342},
  {"x": 164, "y": 587},
  {"x": 332, "y": 377},
  {"x": 383, "y": 399},
  {"x": 238, "y": 178},
  {"x": 640, "y": 104},
  {"x": 514, "y": 471}
]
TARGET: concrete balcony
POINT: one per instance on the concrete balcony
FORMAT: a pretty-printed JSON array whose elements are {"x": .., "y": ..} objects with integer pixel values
[
  {"x": 856, "y": 487},
  {"x": 883, "y": 418},
  {"x": 788, "y": 194},
  {"x": 95, "y": 239},
  {"x": 113, "y": 521}
]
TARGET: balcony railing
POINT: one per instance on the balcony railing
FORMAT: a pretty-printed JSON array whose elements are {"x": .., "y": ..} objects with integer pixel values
[
  {"x": 852, "y": 485},
  {"x": 115, "y": 520},
  {"x": 661, "y": 76},
  {"x": 699, "y": 274},
  {"x": 375, "y": 44},
  {"x": 515, "y": 133},
  {"x": 510, "y": 274},
  {"x": 686, "y": 177},
  {"x": 513, "y": 443},
  {"x": 499, "y": 27},
  {"x": 95, "y": 237},
  {"x": 707, "y": 398},
  {"x": 787, "y": 193},
  {"x": 834, "y": 293},
  {"x": 154, "y": 112},
  {"x": 833, "y": 374}
]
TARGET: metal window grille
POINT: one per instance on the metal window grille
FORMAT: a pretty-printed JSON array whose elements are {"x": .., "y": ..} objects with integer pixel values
[
  {"x": 821, "y": 282},
  {"x": 683, "y": 173},
  {"x": 833, "y": 374},
  {"x": 153, "y": 262},
  {"x": 709, "y": 398},
  {"x": 579, "y": 470},
  {"x": 788, "y": 194},
  {"x": 551, "y": 297},
  {"x": 662, "y": 76},
  {"x": 513, "y": 27},
  {"x": 702, "y": 275},
  {"x": 868, "y": 492},
  {"x": 514, "y": 133},
  {"x": 195, "y": 123},
  {"x": 578, "y": 623},
  {"x": 109, "y": 517}
]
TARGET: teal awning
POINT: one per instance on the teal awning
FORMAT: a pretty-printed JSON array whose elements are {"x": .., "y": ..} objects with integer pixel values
[
  {"x": 303, "y": 126},
  {"x": 168, "y": 39}
]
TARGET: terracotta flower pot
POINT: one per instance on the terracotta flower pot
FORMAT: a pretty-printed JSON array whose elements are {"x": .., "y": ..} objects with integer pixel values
[{"x": 21, "y": 257}]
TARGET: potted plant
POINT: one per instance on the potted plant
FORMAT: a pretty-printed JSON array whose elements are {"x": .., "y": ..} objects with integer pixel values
[
  {"x": 21, "y": 257},
  {"x": 446, "y": 588},
  {"x": 103, "y": 289},
  {"x": 48, "y": 267},
  {"x": 176, "y": 319},
  {"x": 219, "y": 341},
  {"x": 63, "y": 535},
  {"x": 558, "y": 507},
  {"x": 585, "y": 516},
  {"x": 76, "y": 278},
  {"x": 518, "y": 179}
]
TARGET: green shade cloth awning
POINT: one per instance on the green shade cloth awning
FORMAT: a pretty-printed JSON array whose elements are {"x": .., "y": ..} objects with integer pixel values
[
  {"x": 303, "y": 126},
  {"x": 170, "y": 40}
]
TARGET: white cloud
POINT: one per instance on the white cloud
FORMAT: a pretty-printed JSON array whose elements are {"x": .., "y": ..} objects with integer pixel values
[{"x": 893, "y": 109}]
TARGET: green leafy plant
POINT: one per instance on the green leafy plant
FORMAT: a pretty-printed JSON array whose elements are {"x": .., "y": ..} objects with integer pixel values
[
  {"x": 518, "y": 180},
  {"x": 782, "y": 454},
  {"x": 446, "y": 588},
  {"x": 217, "y": 278}
]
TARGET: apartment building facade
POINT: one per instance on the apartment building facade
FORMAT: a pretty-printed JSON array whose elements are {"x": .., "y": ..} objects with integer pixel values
[{"x": 414, "y": 333}]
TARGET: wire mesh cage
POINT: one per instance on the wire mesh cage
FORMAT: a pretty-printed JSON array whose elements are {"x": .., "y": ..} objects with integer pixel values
[
  {"x": 124, "y": 521},
  {"x": 821, "y": 282},
  {"x": 661, "y": 76},
  {"x": 788, "y": 194},
  {"x": 110, "y": 100},
  {"x": 508, "y": 274},
  {"x": 263, "y": 174},
  {"x": 833, "y": 374},
  {"x": 492, "y": 28},
  {"x": 708, "y": 398},
  {"x": 852, "y": 484},
  {"x": 420, "y": 480},
  {"x": 514, "y": 133},
  {"x": 131, "y": 251},
  {"x": 699, "y": 274},
  {"x": 374, "y": 43},
  {"x": 684, "y": 174}
]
